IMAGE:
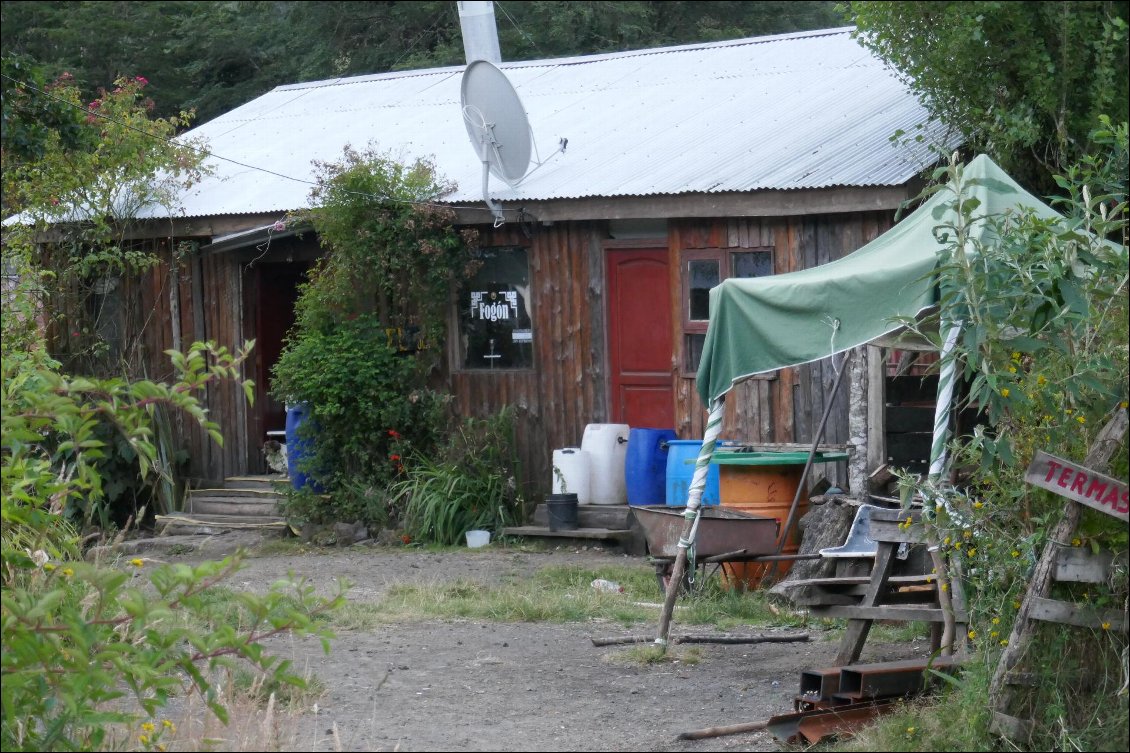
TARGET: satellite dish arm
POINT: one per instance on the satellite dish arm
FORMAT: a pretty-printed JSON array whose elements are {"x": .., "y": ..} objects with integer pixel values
[{"x": 495, "y": 209}]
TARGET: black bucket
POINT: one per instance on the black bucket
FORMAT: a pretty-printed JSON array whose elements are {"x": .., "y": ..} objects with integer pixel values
[{"x": 562, "y": 510}]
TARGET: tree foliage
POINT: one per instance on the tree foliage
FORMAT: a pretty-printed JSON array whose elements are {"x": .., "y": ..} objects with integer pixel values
[
  {"x": 1024, "y": 82},
  {"x": 215, "y": 56}
]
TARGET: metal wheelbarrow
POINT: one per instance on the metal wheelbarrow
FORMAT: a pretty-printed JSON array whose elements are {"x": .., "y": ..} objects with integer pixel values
[{"x": 724, "y": 535}]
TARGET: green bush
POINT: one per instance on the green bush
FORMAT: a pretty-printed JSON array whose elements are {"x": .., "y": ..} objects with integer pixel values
[
  {"x": 366, "y": 416},
  {"x": 472, "y": 484}
]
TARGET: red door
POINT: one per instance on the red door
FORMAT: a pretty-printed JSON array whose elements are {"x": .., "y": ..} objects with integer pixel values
[{"x": 639, "y": 338}]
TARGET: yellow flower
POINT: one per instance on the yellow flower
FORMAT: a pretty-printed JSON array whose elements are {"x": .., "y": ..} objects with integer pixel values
[
  {"x": 945, "y": 587},
  {"x": 1004, "y": 641},
  {"x": 910, "y": 730},
  {"x": 993, "y": 634},
  {"x": 1041, "y": 381},
  {"x": 1016, "y": 355},
  {"x": 49, "y": 567},
  {"x": 1106, "y": 626},
  {"x": 68, "y": 572},
  {"x": 978, "y": 505},
  {"x": 1005, "y": 392},
  {"x": 1081, "y": 419},
  {"x": 967, "y": 534},
  {"x": 143, "y": 739},
  {"x": 996, "y": 620},
  {"x": 148, "y": 726},
  {"x": 1011, "y": 369},
  {"x": 972, "y": 634},
  {"x": 972, "y": 551},
  {"x": 1076, "y": 542},
  {"x": 957, "y": 545},
  {"x": 1015, "y": 552},
  {"x": 1124, "y": 405},
  {"x": 1068, "y": 411},
  {"x": 169, "y": 725},
  {"x": 946, "y": 541},
  {"x": 137, "y": 562}
]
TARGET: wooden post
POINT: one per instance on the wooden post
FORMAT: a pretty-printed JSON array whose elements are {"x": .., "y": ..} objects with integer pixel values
[{"x": 858, "y": 410}]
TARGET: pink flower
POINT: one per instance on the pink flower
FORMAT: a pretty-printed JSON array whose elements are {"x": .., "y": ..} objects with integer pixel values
[
  {"x": 95, "y": 104},
  {"x": 141, "y": 80},
  {"x": 279, "y": 226}
]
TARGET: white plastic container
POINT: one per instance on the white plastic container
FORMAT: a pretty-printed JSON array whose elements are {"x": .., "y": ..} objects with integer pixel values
[
  {"x": 572, "y": 473},
  {"x": 607, "y": 446},
  {"x": 476, "y": 539}
]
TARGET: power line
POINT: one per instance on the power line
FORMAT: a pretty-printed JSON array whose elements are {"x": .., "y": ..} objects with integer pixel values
[{"x": 209, "y": 153}]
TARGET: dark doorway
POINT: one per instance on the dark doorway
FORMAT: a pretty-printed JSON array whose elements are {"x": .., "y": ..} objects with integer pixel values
[{"x": 274, "y": 316}]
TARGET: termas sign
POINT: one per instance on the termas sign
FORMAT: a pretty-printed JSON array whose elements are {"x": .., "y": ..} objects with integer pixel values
[{"x": 1080, "y": 484}]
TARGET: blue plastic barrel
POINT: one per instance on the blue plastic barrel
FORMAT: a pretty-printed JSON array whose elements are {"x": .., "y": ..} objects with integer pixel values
[
  {"x": 682, "y": 456},
  {"x": 645, "y": 466},
  {"x": 298, "y": 449}
]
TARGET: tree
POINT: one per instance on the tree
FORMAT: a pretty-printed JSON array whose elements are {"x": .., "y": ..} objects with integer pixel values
[
  {"x": 1024, "y": 82},
  {"x": 214, "y": 56}
]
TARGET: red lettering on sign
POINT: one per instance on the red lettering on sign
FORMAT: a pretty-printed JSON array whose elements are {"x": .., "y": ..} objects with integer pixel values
[
  {"x": 1052, "y": 466},
  {"x": 1096, "y": 490},
  {"x": 1063, "y": 477},
  {"x": 1111, "y": 498},
  {"x": 1125, "y": 506},
  {"x": 1079, "y": 482}
]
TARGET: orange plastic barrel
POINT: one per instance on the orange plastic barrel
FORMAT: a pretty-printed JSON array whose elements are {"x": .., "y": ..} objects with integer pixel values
[{"x": 764, "y": 483}]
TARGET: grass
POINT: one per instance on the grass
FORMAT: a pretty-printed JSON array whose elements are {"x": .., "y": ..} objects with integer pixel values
[
  {"x": 648, "y": 653},
  {"x": 563, "y": 593}
]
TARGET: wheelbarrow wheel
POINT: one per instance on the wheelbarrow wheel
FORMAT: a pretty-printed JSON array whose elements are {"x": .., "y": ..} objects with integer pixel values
[{"x": 663, "y": 571}]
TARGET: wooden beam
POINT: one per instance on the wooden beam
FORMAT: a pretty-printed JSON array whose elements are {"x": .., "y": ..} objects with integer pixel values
[
  {"x": 733, "y": 204},
  {"x": 1060, "y": 612}
]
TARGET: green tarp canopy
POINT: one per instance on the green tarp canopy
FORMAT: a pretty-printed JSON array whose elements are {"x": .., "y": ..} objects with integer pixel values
[{"x": 767, "y": 323}]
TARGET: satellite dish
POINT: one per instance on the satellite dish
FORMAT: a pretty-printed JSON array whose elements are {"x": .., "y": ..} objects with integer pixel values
[{"x": 497, "y": 125}]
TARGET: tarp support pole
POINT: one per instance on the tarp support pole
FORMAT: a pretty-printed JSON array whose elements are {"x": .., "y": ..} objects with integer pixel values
[
  {"x": 819, "y": 435},
  {"x": 690, "y": 522}
]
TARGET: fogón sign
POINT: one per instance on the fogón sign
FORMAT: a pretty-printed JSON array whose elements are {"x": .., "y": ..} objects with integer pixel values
[{"x": 1080, "y": 484}]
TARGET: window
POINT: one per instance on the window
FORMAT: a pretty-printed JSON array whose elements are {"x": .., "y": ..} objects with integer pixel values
[
  {"x": 703, "y": 269},
  {"x": 495, "y": 330}
]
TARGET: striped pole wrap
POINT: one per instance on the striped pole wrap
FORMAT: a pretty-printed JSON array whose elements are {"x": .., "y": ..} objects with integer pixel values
[
  {"x": 946, "y": 381},
  {"x": 691, "y": 516}
]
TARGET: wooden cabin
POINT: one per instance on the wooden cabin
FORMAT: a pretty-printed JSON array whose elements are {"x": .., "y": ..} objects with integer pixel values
[{"x": 677, "y": 167}]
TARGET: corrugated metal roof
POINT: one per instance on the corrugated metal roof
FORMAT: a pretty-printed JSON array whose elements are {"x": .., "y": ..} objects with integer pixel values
[{"x": 796, "y": 111}]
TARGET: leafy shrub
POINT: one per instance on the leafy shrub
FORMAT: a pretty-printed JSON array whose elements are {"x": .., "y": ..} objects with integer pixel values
[
  {"x": 471, "y": 485},
  {"x": 369, "y": 324},
  {"x": 365, "y": 416}
]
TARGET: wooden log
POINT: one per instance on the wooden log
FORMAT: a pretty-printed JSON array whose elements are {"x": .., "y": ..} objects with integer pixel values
[
  {"x": 732, "y": 729},
  {"x": 721, "y": 639}
]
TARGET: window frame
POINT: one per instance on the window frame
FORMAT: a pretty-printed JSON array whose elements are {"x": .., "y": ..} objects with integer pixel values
[
  {"x": 724, "y": 257},
  {"x": 457, "y": 352}
]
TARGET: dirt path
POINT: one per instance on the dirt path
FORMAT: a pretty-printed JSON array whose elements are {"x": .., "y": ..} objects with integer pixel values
[{"x": 468, "y": 685}]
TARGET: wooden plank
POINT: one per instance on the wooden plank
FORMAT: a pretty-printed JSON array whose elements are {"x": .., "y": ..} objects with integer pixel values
[
  {"x": 1083, "y": 485},
  {"x": 1063, "y": 613},
  {"x": 895, "y": 533},
  {"x": 1078, "y": 565},
  {"x": 883, "y": 612}
]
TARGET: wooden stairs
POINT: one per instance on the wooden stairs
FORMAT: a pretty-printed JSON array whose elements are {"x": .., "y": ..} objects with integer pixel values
[
  {"x": 602, "y": 525},
  {"x": 244, "y": 503}
]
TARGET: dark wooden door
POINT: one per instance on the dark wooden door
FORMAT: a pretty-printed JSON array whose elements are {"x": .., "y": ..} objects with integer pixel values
[{"x": 639, "y": 338}]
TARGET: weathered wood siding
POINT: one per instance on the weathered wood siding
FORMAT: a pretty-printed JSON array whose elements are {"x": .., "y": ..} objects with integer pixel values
[
  {"x": 787, "y": 406},
  {"x": 209, "y": 307},
  {"x": 566, "y": 388}
]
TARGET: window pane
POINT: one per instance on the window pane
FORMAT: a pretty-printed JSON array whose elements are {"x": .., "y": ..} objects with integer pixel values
[
  {"x": 693, "y": 351},
  {"x": 704, "y": 274},
  {"x": 752, "y": 263},
  {"x": 494, "y": 320}
]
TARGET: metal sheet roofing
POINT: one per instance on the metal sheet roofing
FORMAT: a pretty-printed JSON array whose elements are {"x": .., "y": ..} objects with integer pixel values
[{"x": 797, "y": 111}]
